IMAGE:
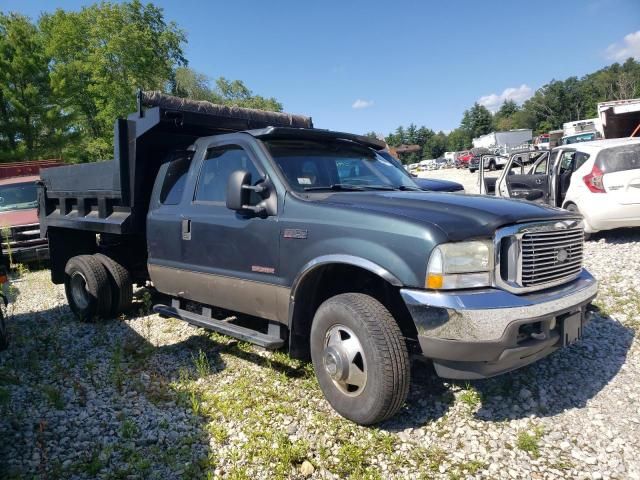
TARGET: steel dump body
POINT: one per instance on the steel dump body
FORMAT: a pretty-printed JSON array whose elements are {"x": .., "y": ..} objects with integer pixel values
[{"x": 113, "y": 196}]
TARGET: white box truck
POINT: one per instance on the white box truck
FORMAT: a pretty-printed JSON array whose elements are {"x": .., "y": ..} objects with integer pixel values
[
  {"x": 620, "y": 118},
  {"x": 503, "y": 141}
]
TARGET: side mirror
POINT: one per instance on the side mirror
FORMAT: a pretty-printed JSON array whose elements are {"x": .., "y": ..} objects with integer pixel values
[{"x": 239, "y": 190}]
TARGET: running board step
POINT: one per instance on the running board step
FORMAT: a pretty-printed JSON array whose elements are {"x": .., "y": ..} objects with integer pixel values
[{"x": 226, "y": 328}]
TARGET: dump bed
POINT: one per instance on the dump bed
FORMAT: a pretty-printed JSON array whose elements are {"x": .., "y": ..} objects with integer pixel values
[{"x": 113, "y": 196}]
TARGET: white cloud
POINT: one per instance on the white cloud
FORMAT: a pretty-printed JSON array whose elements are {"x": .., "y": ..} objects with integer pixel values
[
  {"x": 629, "y": 47},
  {"x": 517, "y": 94},
  {"x": 359, "y": 103}
]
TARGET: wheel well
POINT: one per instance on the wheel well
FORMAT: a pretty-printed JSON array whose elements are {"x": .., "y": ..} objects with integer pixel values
[{"x": 329, "y": 280}]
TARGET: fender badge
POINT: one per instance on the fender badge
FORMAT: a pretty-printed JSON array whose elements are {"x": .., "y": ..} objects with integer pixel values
[
  {"x": 295, "y": 233},
  {"x": 260, "y": 269}
]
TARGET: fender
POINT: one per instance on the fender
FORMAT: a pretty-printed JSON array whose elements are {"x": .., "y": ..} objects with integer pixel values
[{"x": 345, "y": 260}]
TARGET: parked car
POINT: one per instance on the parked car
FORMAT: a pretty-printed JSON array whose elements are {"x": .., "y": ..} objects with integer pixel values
[
  {"x": 426, "y": 184},
  {"x": 438, "y": 185},
  {"x": 19, "y": 225},
  {"x": 491, "y": 162},
  {"x": 323, "y": 239},
  {"x": 600, "y": 180},
  {"x": 463, "y": 159}
]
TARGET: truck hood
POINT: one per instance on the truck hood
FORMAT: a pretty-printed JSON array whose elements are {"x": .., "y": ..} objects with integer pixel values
[
  {"x": 459, "y": 216},
  {"x": 14, "y": 218}
]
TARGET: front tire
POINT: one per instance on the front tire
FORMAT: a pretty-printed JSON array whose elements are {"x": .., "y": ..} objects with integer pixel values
[
  {"x": 360, "y": 358},
  {"x": 87, "y": 287}
]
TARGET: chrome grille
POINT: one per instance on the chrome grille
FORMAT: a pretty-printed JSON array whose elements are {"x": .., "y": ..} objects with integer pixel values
[
  {"x": 21, "y": 236},
  {"x": 550, "y": 256},
  {"x": 535, "y": 256}
]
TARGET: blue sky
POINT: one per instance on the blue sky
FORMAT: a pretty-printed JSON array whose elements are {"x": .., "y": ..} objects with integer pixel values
[{"x": 399, "y": 62}]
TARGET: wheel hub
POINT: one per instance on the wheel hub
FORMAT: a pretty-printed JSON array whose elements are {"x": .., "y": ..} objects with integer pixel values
[
  {"x": 344, "y": 360},
  {"x": 335, "y": 364},
  {"x": 79, "y": 290}
]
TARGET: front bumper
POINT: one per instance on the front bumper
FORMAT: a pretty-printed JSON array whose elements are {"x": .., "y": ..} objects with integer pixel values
[{"x": 481, "y": 333}]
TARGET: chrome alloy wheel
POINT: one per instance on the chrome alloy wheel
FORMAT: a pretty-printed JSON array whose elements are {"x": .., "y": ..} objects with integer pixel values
[
  {"x": 344, "y": 360},
  {"x": 79, "y": 292}
]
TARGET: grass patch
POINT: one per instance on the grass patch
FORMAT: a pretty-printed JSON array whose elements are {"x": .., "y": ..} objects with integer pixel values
[
  {"x": 129, "y": 429},
  {"x": 53, "y": 396},
  {"x": 470, "y": 396},
  {"x": 201, "y": 364},
  {"x": 528, "y": 442}
]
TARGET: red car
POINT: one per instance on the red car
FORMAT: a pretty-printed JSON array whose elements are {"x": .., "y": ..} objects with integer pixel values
[
  {"x": 19, "y": 224},
  {"x": 463, "y": 159}
]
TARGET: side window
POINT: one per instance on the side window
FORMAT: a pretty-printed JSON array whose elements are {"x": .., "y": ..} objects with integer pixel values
[
  {"x": 541, "y": 168},
  {"x": 174, "y": 180},
  {"x": 566, "y": 161},
  {"x": 216, "y": 169},
  {"x": 580, "y": 159}
]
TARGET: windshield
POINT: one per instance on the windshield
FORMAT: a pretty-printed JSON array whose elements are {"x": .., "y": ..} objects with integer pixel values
[
  {"x": 18, "y": 196},
  {"x": 337, "y": 165}
]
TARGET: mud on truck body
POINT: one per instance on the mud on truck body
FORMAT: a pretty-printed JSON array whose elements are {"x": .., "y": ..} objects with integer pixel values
[{"x": 333, "y": 250}]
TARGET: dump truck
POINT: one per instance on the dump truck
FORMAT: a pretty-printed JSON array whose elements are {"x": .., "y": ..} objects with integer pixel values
[{"x": 317, "y": 244}]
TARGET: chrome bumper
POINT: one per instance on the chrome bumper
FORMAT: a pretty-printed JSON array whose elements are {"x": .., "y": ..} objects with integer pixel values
[
  {"x": 482, "y": 315},
  {"x": 477, "y": 334}
]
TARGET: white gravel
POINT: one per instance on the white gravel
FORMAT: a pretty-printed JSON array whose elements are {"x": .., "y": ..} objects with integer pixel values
[{"x": 144, "y": 397}]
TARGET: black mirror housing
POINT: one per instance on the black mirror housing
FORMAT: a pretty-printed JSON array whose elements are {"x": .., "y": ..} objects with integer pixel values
[{"x": 237, "y": 196}]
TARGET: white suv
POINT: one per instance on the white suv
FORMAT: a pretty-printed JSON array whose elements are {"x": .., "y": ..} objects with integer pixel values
[
  {"x": 599, "y": 179},
  {"x": 604, "y": 183}
]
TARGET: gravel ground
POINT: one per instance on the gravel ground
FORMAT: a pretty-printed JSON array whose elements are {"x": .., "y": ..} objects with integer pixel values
[{"x": 145, "y": 397}]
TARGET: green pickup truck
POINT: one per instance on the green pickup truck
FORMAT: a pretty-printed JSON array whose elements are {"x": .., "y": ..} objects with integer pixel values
[{"x": 331, "y": 249}]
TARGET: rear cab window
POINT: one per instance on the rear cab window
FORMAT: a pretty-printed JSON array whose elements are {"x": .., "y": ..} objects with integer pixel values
[{"x": 175, "y": 179}]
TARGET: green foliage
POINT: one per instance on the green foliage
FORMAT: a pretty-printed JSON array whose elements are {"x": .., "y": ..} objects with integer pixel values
[
  {"x": 29, "y": 121},
  {"x": 65, "y": 78},
  {"x": 477, "y": 121},
  {"x": 435, "y": 146},
  {"x": 528, "y": 442},
  {"x": 99, "y": 56}
]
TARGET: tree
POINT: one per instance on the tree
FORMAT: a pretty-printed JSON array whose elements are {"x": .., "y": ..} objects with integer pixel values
[
  {"x": 435, "y": 146},
  {"x": 423, "y": 135},
  {"x": 477, "y": 120},
  {"x": 412, "y": 134},
  {"x": 29, "y": 124},
  {"x": 458, "y": 140},
  {"x": 197, "y": 86},
  {"x": 99, "y": 56}
]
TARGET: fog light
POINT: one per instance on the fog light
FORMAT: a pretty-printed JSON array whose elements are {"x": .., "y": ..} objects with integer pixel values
[{"x": 552, "y": 323}]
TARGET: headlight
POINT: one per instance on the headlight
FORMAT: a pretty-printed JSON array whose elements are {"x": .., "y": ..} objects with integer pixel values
[{"x": 460, "y": 265}]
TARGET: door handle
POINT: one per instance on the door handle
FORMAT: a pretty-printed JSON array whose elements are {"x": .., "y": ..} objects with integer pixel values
[
  {"x": 186, "y": 229},
  {"x": 538, "y": 181}
]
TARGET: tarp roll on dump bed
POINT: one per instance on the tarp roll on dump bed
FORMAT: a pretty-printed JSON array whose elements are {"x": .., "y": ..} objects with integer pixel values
[{"x": 275, "y": 119}]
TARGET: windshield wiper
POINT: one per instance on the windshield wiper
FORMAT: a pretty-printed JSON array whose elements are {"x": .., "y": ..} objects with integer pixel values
[
  {"x": 337, "y": 187},
  {"x": 391, "y": 187}
]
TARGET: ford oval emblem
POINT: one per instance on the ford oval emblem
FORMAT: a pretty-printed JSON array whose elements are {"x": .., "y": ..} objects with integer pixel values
[{"x": 562, "y": 255}]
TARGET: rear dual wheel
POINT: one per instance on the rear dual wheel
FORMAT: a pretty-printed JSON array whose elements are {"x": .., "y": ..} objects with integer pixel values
[{"x": 97, "y": 287}]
